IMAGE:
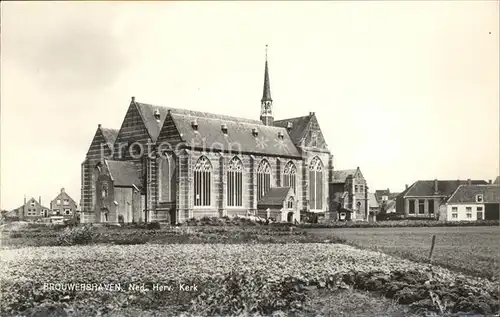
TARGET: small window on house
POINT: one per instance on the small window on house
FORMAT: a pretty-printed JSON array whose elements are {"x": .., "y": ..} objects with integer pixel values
[
  {"x": 479, "y": 209},
  {"x": 411, "y": 210},
  {"x": 479, "y": 215},
  {"x": 356, "y": 189},
  {"x": 58, "y": 201},
  {"x": 430, "y": 206},
  {"x": 67, "y": 211},
  {"x": 421, "y": 206},
  {"x": 32, "y": 204},
  {"x": 361, "y": 188},
  {"x": 454, "y": 216},
  {"x": 66, "y": 202},
  {"x": 479, "y": 198}
]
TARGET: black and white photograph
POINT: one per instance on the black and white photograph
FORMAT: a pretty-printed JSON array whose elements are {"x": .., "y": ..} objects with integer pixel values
[{"x": 250, "y": 158}]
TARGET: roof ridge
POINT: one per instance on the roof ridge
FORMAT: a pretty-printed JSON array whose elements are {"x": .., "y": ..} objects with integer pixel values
[
  {"x": 300, "y": 117},
  {"x": 222, "y": 116},
  {"x": 259, "y": 123}
]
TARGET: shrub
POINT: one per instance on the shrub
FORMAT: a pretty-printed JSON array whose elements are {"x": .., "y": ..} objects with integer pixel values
[
  {"x": 77, "y": 235},
  {"x": 154, "y": 226}
]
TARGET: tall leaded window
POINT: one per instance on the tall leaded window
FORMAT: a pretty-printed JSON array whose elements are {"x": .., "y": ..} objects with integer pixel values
[
  {"x": 316, "y": 184},
  {"x": 164, "y": 178},
  {"x": 290, "y": 176},
  {"x": 235, "y": 183},
  {"x": 290, "y": 203},
  {"x": 202, "y": 182},
  {"x": 263, "y": 179}
]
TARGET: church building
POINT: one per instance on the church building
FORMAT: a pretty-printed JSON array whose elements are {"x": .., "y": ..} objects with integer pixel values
[{"x": 169, "y": 164}]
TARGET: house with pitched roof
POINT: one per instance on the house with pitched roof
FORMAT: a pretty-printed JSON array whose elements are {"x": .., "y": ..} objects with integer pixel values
[
  {"x": 351, "y": 189},
  {"x": 474, "y": 202},
  {"x": 427, "y": 198},
  {"x": 31, "y": 210},
  {"x": 170, "y": 164},
  {"x": 63, "y": 205}
]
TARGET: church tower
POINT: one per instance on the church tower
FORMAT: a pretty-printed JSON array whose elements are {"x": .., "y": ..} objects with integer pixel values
[{"x": 266, "y": 104}]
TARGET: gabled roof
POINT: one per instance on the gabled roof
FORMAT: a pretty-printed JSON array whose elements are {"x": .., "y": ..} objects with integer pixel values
[
  {"x": 382, "y": 192},
  {"x": 340, "y": 176},
  {"x": 467, "y": 194},
  {"x": 109, "y": 134},
  {"x": 372, "y": 201},
  {"x": 391, "y": 204},
  {"x": 124, "y": 173},
  {"x": 147, "y": 113},
  {"x": 153, "y": 126},
  {"x": 445, "y": 187},
  {"x": 299, "y": 127},
  {"x": 239, "y": 135},
  {"x": 274, "y": 197}
]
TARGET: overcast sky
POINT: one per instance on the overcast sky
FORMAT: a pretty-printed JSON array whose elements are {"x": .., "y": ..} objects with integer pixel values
[{"x": 404, "y": 90}]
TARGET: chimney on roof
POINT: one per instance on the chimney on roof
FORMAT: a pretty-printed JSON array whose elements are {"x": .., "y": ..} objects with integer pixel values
[
  {"x": 223, "y": 127},
  {"x": 40, "y": 200},
  {"x": 62, "y": 190},
  {"x": 289, "y": 126},
  {"x": 99, "y": 125},
  {"x": 311, "y": 114},
  {"x": 133, "y": 99},
  {"x": 194, "y": 124},
  {"x": 436, "y": 186},
  {"x": 469, "y": 182},
  {"x": 490, "y": 181},
  {"x": 406, "y": 186},
  {"x": 157, "y": 114}
]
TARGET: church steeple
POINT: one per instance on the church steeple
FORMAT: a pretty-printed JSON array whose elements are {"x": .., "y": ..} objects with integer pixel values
[{"x": 266, "y": 104}]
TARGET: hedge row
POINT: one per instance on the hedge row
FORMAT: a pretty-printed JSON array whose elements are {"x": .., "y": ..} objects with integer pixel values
[{"x": 400, "y": 223}]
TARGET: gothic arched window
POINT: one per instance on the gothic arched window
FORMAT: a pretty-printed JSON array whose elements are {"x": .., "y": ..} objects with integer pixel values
[
  {"x": 290, "y": 203},
  {"x": 290, "y": 175},
  {"x": 164, "y": 178},
  {"x": 316, "y": 184},
  {"x": 263, "y": 179},
  {"x": 202, "y": 182},
  {"x": 235, "y": 183}
]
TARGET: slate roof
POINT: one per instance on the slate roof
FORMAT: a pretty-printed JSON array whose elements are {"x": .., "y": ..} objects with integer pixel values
[
  {"x": 109, "y": 134},
  {"x": 274, "y": 197},
  {"x": 445, "y": 187},
  {"x": 391, "y": 204},
  {"x": 239, "y": 136},
  {"x": 299, "y": 128},
  {"x": 340, "y": 176},
  {"x": 124, "y": 173},
  {"x": 467, "y": 194},
  {"x": 154, "y": 126},
  {"x": 372, "y": 200}
]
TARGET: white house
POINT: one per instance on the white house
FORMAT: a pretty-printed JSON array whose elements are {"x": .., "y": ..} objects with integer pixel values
[{"x": 474, "y": 202}]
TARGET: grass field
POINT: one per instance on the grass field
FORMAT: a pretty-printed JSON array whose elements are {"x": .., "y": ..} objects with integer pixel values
[{"x": 471, "y": 250}]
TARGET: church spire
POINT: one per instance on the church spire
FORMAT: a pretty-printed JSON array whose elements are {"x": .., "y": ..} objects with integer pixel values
[{"x": 266, "y": 111}]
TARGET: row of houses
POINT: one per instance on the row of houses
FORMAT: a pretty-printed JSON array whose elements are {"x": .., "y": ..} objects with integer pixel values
[
  {"x": 61, "y": 207},
  {"x": 451, "y": 200}
]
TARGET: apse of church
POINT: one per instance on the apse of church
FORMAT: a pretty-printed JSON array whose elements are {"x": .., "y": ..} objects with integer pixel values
[{"x": 169, "y": 164}]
